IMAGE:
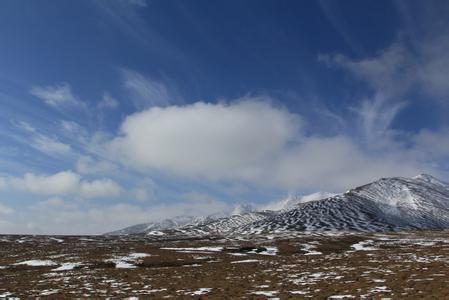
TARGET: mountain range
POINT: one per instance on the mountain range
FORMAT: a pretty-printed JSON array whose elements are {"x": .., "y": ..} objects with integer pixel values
[{"x": 388, "y": 204}]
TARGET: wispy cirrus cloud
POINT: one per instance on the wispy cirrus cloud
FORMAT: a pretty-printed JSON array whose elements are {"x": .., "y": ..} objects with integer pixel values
[
  {"x": 56, "y": 95},
  {"x": 107, "y": 101},
  {"x": 396, "y": 77},
  {"x": 403, "y": 68},
  {"x": 50, "y": 146},
  {"x": 146, "y": 92},
  {"x": 42, "y": 142}
]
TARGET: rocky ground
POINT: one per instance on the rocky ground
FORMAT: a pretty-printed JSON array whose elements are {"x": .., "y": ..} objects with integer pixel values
[{"x": 405, "y": 265}]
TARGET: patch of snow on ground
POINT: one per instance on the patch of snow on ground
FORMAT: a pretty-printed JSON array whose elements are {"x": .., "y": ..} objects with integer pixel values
[
  {"x": 309, "y": 249},
  {"x": 122, "y": 262},
  {"x": 269, "y": 251},
  {"x": 49, "y": 292},
  {"x": 155, "y": 290},
  {"x": 155, "y": 232},
  {"x": 202, "y": 291},
  {"x": 380, "y": 289},
  {"x": 265, "y": 293},
  {"x": 244, "y": 261},
  {"x": 56, "y": 240},
  {"x": 340, "y": 297},
  {"x": 202, "y": 257},
  {"x": 299, "y": 292},
  {"x": 67, "y": 267},
  {"x": 208, "y": 249},
  {"x": 7, "y": 295},
  {"x": 37, "y": 263},
  {"x": 237, "y": 254},
  {"x": 137, "y": 255},
  {"x": 362, "y": 246}
]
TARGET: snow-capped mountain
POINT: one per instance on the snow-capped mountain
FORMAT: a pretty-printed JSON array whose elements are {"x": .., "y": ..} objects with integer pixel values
[
  {"x": 394, "y": 203},
  {"x": 154, "y": 226},
  {"x": 190, "y": 222},
  {"x": 293, "y": 200},
  {"x": 227, "y": 225}
]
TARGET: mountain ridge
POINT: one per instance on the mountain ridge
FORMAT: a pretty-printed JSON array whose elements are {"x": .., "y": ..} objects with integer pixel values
[{"x": 387, "y": 204}]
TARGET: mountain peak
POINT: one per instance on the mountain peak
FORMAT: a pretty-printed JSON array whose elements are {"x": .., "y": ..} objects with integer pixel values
[
  {"x": 424, "y": 177},
  {"x": 291, "y": 201},
  {"x": 430, "y": 179}
]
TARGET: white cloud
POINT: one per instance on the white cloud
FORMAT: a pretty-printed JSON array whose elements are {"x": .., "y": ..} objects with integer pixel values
[
  {"x": 70, "y": 126},
  {"x": 45, "y": 143},
  {"x": 401, "y": 71},
  {"x": 401, "y": 68},
  {"x": 337, "y": 163},
  {"x": 55, "y": 202},
  {"x": 387, "y": 71},
  {"x": 144, "y": 190},
  {"x": 58, "y": 217},
  {"x": 62, "y": 183},
  {"x": 5, "y": 210},
  {"x": 432, "y": 72},
  {"x": 376, "y": 115},
  {"x": 108, "y": 102},
  {"x": 141, "y": 194},
  {"x": 3, "y": 183},
  {"x": 212, "y": 141},
  {"x": 146, "y": 92},
  {"x": 89, "y": 165},
  {"x": 255, "y": 142},
  {"x": 50, "y": 146},
  {"x": 432, "y": 145},
  {"x": 56, "y": 95},
  {"x": 99, "y": 188}
]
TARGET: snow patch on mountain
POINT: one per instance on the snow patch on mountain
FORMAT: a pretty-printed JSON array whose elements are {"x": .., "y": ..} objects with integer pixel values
[{"x": 292, "y": 201}]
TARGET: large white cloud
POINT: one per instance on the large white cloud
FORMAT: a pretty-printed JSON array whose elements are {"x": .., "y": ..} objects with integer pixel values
[
  {"x": 214, "y": 141},
  {"x": 62, "y": 183},
  {"x": 338, "y": 163},
  {"x": 258, "y": 143}
]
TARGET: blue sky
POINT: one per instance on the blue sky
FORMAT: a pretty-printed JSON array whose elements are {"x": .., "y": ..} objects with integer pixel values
[{"x": 121, "y": 112}]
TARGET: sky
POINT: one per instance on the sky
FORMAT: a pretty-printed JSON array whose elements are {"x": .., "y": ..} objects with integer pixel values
[{"x": 119, "y": 112}]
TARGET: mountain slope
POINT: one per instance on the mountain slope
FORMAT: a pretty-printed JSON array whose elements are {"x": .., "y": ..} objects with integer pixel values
[
  {"x": 387, "y": 204},
  {"x": 157, "y": 227},
  {"x": 227, "y": 225}
]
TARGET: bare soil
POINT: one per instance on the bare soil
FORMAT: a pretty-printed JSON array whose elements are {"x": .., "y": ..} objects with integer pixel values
[{"x": 404, "y": 265}]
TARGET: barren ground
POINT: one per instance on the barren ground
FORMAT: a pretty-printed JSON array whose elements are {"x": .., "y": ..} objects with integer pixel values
[{"x": 406, "y": 265}]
